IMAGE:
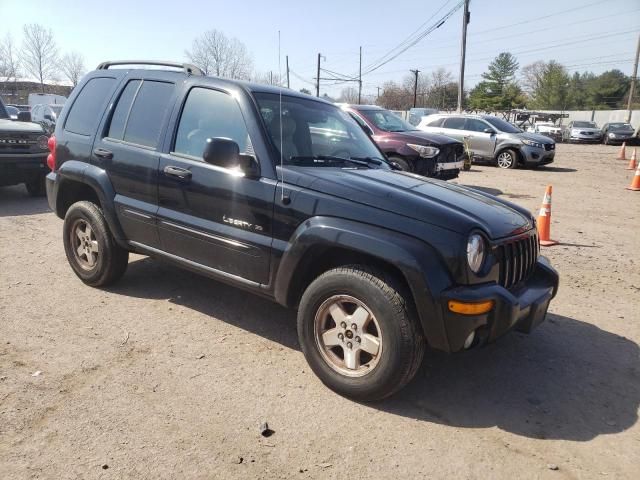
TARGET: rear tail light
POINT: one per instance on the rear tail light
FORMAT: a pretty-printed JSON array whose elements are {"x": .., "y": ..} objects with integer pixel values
[{"x": 51, "y": 158}]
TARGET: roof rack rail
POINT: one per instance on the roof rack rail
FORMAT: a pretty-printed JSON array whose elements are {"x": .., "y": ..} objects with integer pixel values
[{"x": 187, "y": 67}]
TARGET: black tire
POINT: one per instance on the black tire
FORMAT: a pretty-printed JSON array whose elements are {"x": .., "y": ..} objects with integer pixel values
[
  {"x": 110, "y": 261},
  {"x": 401, "y": 339},
  {"x": 402, "y": 163},
  {"x": 37, "y": 187},
  {"x": 502, "y": 162}
]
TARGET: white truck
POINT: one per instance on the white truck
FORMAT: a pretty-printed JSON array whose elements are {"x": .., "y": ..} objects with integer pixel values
[{"x": 46, "y": 99}]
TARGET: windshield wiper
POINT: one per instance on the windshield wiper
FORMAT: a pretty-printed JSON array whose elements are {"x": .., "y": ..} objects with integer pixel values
[
  {"x": 321, "y": 159},
  {"x": 375, "y": 161}
]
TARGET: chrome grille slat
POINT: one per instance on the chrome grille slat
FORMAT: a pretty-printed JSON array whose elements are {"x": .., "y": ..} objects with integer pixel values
[{"x": 517, "y": 259}]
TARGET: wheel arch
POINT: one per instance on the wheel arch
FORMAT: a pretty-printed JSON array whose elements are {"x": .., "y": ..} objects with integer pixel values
[{"x": 515, "y": 148}]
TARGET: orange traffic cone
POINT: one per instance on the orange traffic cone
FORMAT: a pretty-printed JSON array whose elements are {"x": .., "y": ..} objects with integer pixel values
[
  {"x": 623, "y": 151},
  {"x": 544, "y": 220},
  {"x": 635, "y": 183},
  {"x": 632, "y": 163}
]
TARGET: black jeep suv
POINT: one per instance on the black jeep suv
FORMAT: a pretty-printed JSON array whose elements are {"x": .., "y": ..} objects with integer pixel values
[
  {"x": 225, "y": 178},
  {"x": 23, "y": 153}
]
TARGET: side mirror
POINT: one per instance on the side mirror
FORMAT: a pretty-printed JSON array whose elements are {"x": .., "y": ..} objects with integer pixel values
[
  {"x": 225, "y": 153},
  {"x": 24, "y": 116},
  {"x": 490, "y": 131}
]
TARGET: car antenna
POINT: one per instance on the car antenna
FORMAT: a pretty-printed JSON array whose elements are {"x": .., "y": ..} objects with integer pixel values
[{"x": 286, "y": 200}]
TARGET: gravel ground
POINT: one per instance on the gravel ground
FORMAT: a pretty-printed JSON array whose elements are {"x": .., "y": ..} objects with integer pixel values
[{"x": 169, "y": 375}]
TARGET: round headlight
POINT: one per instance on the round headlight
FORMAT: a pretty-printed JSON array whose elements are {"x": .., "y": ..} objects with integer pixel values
[{"x": 475, "y": 252}]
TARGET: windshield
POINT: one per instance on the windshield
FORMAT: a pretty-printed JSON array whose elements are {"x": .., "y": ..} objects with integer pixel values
[
  {"x": 312, "y": 129},
  {"x": 620, "y": 126},
  {"x": 585, "y": 125},
  {"x": 501, "y": 125},
  {"x": 56, "y": 109},
  {"x": 387, "y": 121}
]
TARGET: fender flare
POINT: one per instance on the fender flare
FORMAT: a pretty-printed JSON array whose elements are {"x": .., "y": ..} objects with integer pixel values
[
  {"x": 96, "y": 178},
  {"x": 422, "y": 267}
]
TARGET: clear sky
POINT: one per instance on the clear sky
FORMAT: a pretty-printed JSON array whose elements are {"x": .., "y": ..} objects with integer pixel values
[{"x": 583, "y": 34}]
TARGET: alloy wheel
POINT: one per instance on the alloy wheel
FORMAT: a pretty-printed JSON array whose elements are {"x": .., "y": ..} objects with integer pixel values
[
  {"x": 84, "y": 244},
  {"x": 505, "y": 160}
]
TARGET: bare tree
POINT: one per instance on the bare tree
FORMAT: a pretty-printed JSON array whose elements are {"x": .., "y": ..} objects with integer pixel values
[
  {"x": 267, "y": 78},
  {"x": 72, "y": 65},
  {"x": 532, "y": 75},
  {"x": 9, "y": 61},
  {"x": 216, "y": 54},
  {"x": 349, "y": 95},
  {"x": 39, "y": 52}
]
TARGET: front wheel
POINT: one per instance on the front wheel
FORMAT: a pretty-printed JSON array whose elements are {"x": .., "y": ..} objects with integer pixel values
[
  {"x": 359, "y": 334},
  {"x": 402, "y": 163},
  {"x": 507, "y": 159}
]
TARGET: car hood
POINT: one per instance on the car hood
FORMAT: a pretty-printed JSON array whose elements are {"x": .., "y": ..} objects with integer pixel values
[
  {"x": 19, "y": 127},
  {"x": 534, "y": 137},
  {"x": 425, "y": 138},
  {"x": 450, "y": 206}
]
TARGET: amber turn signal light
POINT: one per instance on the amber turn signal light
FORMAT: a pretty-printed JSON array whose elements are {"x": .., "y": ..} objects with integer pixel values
[{"x": 476, "y": 308}]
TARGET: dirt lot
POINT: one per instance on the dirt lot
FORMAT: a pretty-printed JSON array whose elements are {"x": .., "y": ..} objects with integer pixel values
[{"x": 168, "y": 374}]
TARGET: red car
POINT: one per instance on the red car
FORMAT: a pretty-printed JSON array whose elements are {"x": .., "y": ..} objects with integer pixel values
[{"x": 426, "y": 154}]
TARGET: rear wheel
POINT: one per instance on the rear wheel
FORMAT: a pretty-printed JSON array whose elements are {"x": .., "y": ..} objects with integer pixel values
[
  {"x": 358, "y": 333},
  {"x": 91, "y": 250},
  {"x": 507, "y": 159}
]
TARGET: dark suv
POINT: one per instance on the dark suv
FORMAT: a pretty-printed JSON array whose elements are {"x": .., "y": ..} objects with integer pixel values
[
  {"x": 226, "y": 178},
  {"x": 427, "y": 154},
  {"x": 23, "y": 153}
]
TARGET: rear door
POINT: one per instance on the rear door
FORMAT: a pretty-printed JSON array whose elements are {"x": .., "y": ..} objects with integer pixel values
[
  {"x": 128, "y": 151},
  {"x": 481, "y": 143},
  {"x": 209, "y": 215}
]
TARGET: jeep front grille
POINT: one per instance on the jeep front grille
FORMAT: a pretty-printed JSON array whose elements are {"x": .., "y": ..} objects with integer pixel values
[{"x": 517, "y": 259}]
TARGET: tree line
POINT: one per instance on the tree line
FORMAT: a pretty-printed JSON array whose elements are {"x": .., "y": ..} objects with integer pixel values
[{"x": 545, "y": 85}]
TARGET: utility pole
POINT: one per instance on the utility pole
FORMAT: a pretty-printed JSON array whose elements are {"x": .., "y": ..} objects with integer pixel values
[
  {"x": 360, "y": 80},
  {"x": 465, "y": 20},
  {"x": 287, "y": 59},
  {"x": 633, "y": 82},
  {"x": 318, "y": 78},
  {"x": 378, "y": 91},
  {"x": 415, "y": 86}
]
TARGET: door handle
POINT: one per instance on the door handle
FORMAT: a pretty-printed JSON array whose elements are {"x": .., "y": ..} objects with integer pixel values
[
  {"x": 178, "y": 172},
  {"x": 103, "y": 153}
]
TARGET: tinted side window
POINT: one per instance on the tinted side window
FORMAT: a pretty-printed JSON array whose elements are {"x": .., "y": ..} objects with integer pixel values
[
  {"x": 121, "y": 112},
  {"x": 208, "y": 114},
  {"x": 475, "y": 125},
  {"x": 454, "y": 122},
  {"x": 148, "y": 112},
  {"x": 86, "y": 111},
  {"x": 435, "y": 123}
]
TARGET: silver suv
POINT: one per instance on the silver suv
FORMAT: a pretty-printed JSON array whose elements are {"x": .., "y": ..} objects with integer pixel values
[{"x": 491, "y": 139}]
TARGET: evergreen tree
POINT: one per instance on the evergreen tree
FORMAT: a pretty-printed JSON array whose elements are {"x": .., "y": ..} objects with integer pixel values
[{"x": 498, "y": 90}]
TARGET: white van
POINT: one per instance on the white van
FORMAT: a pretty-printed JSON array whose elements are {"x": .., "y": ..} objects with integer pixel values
[{"x": 46, "y": 98}]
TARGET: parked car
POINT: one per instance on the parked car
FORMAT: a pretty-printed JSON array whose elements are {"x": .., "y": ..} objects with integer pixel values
[
  {"x": 416, "y": 114},
  {"x": 23, "y": 153},
  {"x": 491, "y": 139},
  {"x": 224, "y": 178},
  {"x": 580, "y": 131},
  {"x": 617, "y": 132},
  {"x": 46, "y": 115},
  {"x": 548, "y": 129},
  {"x": 12, "y": 112},
  {"x": 414, "y": 151}
]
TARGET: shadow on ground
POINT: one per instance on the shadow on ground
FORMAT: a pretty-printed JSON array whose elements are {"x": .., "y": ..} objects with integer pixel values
[
  {"x": 556, "y": 169},
  {"x": 568, "y": 380},
  {"x": 15, "y": 201}
]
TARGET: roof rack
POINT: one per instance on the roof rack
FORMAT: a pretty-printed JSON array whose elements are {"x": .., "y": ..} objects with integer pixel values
[{"x": 187, "y": 67}]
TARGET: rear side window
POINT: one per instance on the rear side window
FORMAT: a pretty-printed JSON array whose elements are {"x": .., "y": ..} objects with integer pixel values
[
  {"x": 86, "y": 111},
  {"x": 121, "y": 113},
  {"x": 456, "y": 123},
  {"x": 208, "y": 114},
  {"x": 147, "y": 114},
  {"x": 435, "y": 123}
]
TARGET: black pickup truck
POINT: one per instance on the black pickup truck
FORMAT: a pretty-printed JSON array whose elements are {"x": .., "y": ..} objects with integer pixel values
[
  {"x": 228, "y": 179},
  {"x": 23, "y": 153}
]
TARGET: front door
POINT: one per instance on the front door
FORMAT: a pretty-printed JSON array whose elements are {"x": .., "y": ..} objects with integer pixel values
[
  {"x": 481, "y": 143},
  {"x": 212, "y": 216}
]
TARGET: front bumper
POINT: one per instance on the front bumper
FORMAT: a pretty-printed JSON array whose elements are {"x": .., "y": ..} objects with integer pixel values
[
  {"x": 597, "y": 138},
  {"x": 522, "y": 308},
  {"x": 534, "y": 156},
  {"x": 20, "y": 168}
]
